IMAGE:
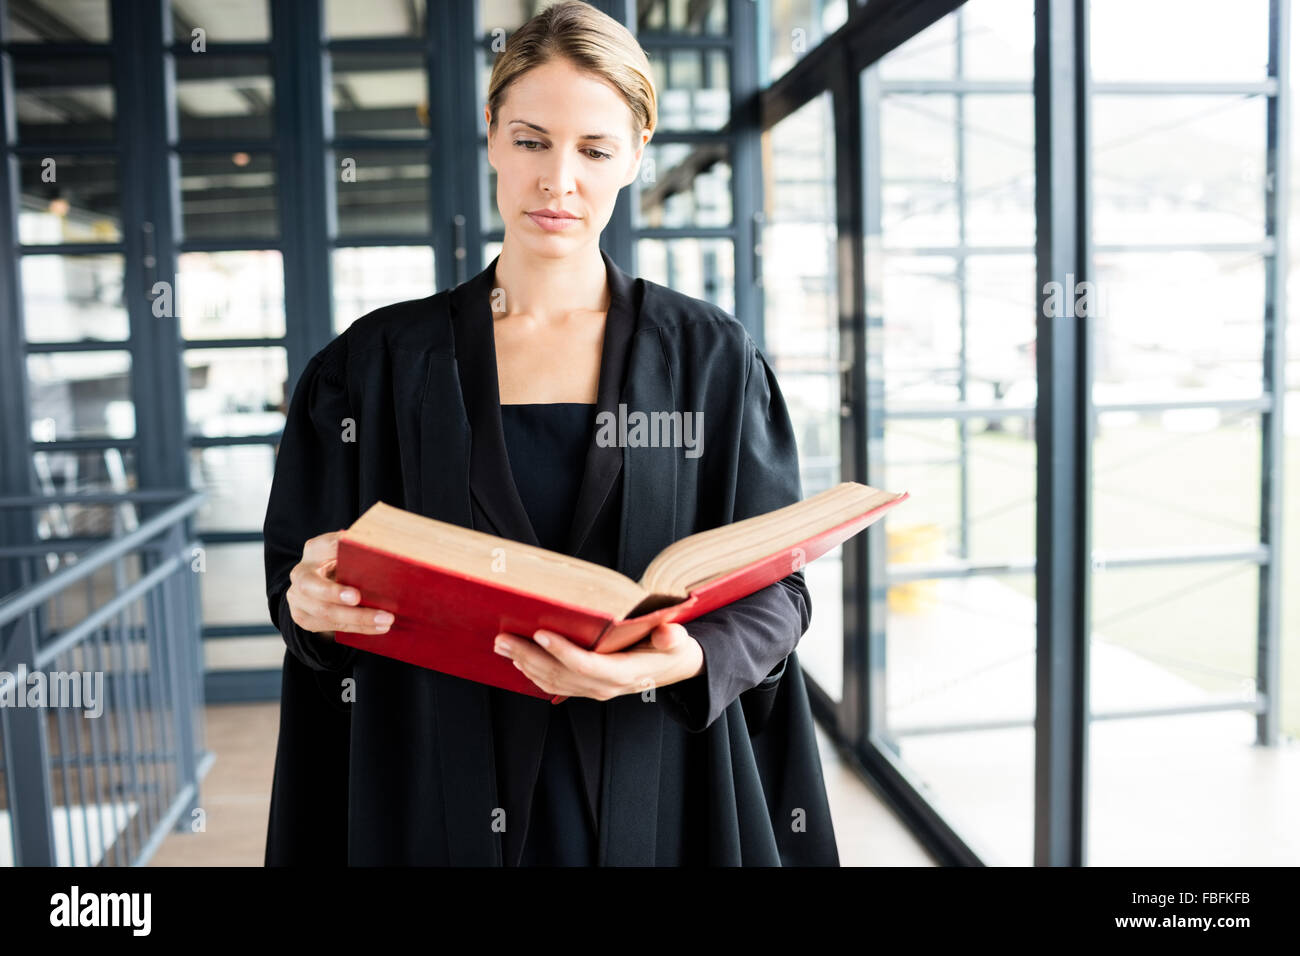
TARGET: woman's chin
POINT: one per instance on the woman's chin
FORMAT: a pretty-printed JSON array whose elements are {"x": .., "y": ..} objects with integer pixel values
[{"x": 557, "y": 244}]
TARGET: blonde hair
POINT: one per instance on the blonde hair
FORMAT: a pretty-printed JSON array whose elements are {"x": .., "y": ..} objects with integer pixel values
[{"x": 593, "y": 42}]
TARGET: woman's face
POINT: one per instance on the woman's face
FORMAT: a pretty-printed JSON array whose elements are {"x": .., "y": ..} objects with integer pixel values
[{"x": 544, "y": 162}]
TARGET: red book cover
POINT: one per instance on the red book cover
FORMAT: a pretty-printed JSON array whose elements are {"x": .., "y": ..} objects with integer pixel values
[{"x": 448, "y": 621}]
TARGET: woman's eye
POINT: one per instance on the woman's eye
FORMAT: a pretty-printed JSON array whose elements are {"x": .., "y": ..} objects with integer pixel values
[{"x": 593, "y": 153}]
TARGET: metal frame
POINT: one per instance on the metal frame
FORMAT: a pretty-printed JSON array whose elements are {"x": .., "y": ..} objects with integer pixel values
[
  {"x": 1063, "y": 431},
  {"x": 158, "y": 749},
  {"x": 838, "y": 64},
  {"x": 1064, "y": 416},
  {"x": 15, "y": 413},
  {"x": 1268, "y": 666}
]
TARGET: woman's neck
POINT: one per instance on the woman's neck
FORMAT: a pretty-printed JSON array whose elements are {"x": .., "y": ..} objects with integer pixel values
[{"x": 546, "y": 288}]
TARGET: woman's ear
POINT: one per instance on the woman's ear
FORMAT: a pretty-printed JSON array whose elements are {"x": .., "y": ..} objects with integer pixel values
[{"x": 638, "y": 157}]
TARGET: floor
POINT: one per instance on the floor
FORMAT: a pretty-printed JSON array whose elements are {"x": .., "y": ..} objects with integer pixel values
[{"x": 236, "y": 800}]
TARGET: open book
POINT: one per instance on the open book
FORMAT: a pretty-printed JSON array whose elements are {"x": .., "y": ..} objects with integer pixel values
[{"x": 452, "y": 589}]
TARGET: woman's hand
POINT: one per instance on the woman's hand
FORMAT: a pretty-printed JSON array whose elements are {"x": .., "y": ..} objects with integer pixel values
[
  {"x": 320, "y": 604},
  {"x": 558, "y": 666}
]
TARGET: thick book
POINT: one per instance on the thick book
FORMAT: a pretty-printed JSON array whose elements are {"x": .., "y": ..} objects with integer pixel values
[{"x": 451, "y": 589}]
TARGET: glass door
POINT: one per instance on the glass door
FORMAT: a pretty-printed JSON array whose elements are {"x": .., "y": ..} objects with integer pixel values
[{"x": 803, "y": 344}]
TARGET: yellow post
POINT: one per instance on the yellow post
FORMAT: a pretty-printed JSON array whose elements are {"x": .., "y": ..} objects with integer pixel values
[{"x": 913, "y": 543}]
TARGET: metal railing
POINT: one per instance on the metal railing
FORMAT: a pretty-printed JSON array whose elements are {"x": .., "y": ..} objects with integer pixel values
[{"x": 101, "y": 684}]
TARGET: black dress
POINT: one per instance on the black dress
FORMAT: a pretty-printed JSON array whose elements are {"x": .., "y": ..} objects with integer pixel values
[
  {"x": 547, "y": 446},
  {"x": 381, "y": 763}
]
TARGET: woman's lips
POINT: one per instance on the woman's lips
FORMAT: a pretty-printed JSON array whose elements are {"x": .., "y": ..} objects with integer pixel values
[{"x": 552, "y": 223}]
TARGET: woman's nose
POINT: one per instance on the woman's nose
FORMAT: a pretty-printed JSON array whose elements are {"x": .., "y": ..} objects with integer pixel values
[{"x": 559, "y": 178}]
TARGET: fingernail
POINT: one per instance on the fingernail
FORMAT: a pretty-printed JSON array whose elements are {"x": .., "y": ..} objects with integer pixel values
[
  {"x": 383, "y": 617},
  {"x": 542, "y": 639},
  {"x": 502, "y": 648},
  {"x": 350, "y": 596}
]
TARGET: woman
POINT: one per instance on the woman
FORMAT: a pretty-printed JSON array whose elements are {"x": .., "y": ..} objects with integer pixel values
[{"x": 478, "y": 406}]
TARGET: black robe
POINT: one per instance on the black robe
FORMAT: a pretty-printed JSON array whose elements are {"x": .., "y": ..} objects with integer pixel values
[{"x": 411, "y": 766}]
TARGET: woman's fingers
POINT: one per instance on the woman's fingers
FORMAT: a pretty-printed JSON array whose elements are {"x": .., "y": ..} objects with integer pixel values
[
  {"x": 322, "y": 605},
  {"x": 322, "y": 616},
  {"x": 321, "y": 548},
  {"x": 562, "y": 667},
  {"x": 316, "y": 581}
]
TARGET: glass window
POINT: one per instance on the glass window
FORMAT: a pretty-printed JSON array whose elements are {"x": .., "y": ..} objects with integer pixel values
[
  {"x": 491, "y": 212},
  {"x": 81, "y": 471},
  {"x": 73, "y": 298},
  {"x": 228, "y": 593},
  {"x": 1154, "y": 473},
  {"x": 683, "y": 185},
  {"x": 244, "y": 653},
  {"x": 235, "y": 391},
  {"x": 500, "y": 18},
  {"x": 379, "y": 94},
  {"x": 674, "y": 16},
  {"x": 997, "y": 172},
  {"x": 368, "y": 277},
  {"x": 80, "y": 395},
  {"x": 1169, "y": 637},
  {"x": 237, "y": 479},
  {"x": 918, "y": 187},
  {"x": 1182, "y": 325},
  {"x": 1290, "y": 697},
  {"x": 222, "y": 96},
  {"x": 795, "y": 27},
  {"x": 960, "y": 654},
  {"x": 694, "y": 88},
  {"x": 69, "y": 198},
  {"x": 484, "y": 59},
  {"x": 994, "y": 40},
  {"x": 231, "y": 295},
  {"x": 802, "y": 341},
  {"x": 229, "y": 195},
  {"x": 382, "y": 193},
  {"x": 84, "y": 472},
  {"x": 62, "y": 99},
  {"x": 1213, "y": 193},
  {"x": 951, "y": 331},
  {"x": 58, "y": 21},
  {"x": 997, "y": 39},
  {"x": 702, "y": 268},
  {"x": 346, "y": 19},
  {"x": 930, "y": 55},
  {"x": 1189, "y": 41},
  {"x": 245, "y": 22},
  {"x": 1176, "y": 331}
]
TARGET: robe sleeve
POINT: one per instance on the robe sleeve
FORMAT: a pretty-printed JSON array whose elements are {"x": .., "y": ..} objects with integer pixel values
[
  {"x": 314, "y": 490},
  {"x": 747, "y": 641}
]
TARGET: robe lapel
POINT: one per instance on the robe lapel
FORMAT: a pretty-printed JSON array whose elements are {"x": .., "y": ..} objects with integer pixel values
[
  {"x": 605, "y": 461},
  {"x": 491, "y": 480},
  {"x": 634, "y": 727},
  {"x": 467, "y": 773},
  {"x": 634, "y": 370}
]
